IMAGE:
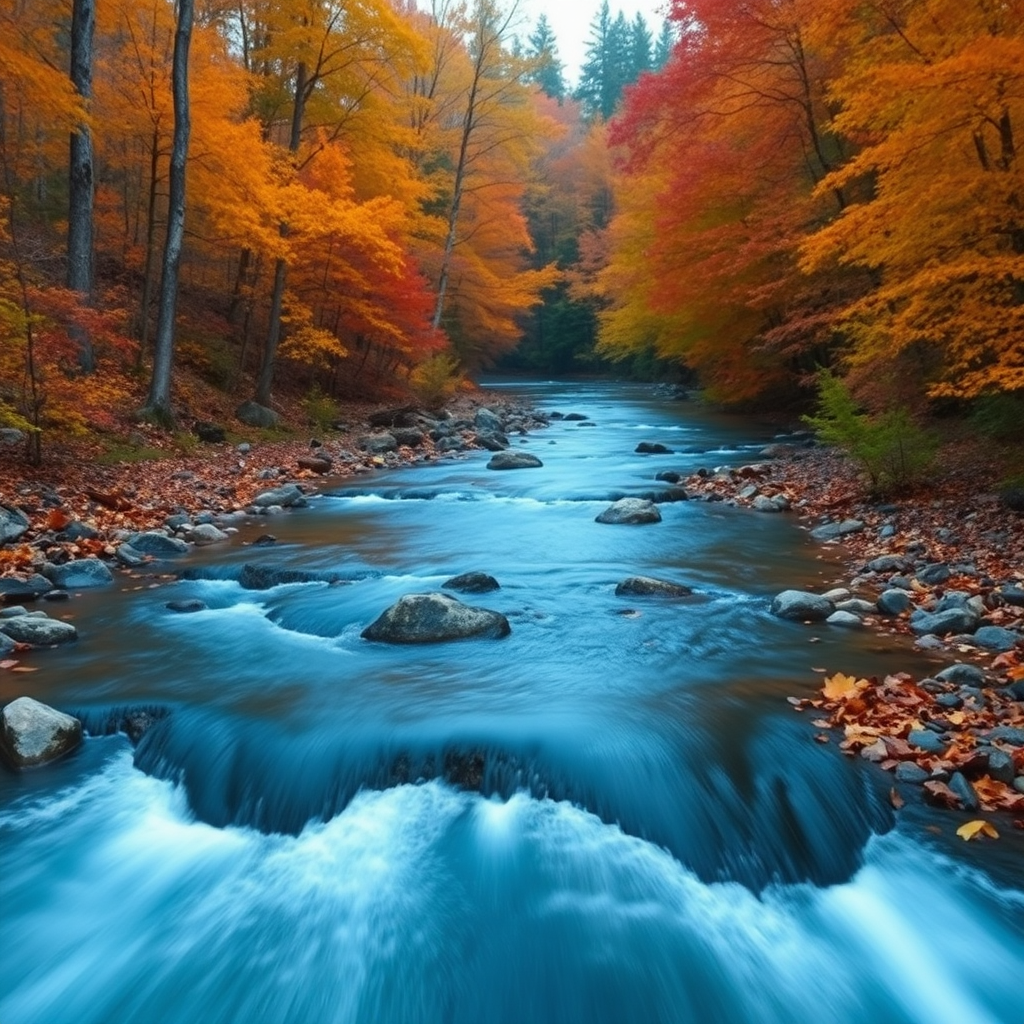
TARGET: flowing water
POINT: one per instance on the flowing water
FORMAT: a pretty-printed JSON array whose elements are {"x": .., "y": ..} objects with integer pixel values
[{"x": 612, "y": 815}]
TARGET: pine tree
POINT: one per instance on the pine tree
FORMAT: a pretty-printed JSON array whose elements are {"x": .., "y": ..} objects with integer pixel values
[
  {"x": 543, "y": 49},
  {"x": 641, "y": 45},
  {"x": 663, "y": 45}
]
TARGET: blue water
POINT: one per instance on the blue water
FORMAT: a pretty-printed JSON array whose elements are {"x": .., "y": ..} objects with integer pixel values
[{"x": 611, "y": 815}]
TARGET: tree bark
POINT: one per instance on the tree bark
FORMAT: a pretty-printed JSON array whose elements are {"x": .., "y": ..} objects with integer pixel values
[
  {"x": 81, "y": 180},
  {"x": 158, "y": 404}
]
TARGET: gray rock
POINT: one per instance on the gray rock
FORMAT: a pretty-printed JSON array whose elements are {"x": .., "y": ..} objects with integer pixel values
[
  {"x": 952, "y": 599},
  {"x": 255, "y": 415},
  {"x": 964, "y": 792},
  {"x": 575, "y": 417},
  {"x": 244, "y": 448},
  {"x": 1000, "y": 766},
  {"x": 962, "y": 675},
  {"x": 931, "y": 575},
  {"x": 950, "y": 701},
  {"x": 255, "y": 576},
  {"x": 435, "y": 618},
  {"x": 749, "y": 492},
  {"x": 289, "y": 496},
  {"x": 157, "y": 544},
  {"x": 833, "y": 531},
  {"x": 846, "y": 619},
  {"x": 492, "y": 442},
  {"x": 927, "y": 741},
  {"x": 514, "y": 460},
  {"x": 929, "y": 642},
  {"x": 206, "y": 533},
  {"x": 669, "y": 476},
  {"x": 1007, "y": 734},
  {"x": 79, "y": 531},
  {"x": 11, "y": 435},
  {"x": 894, "y": 602},
  {"x": 378, "y": 444},
  {"x": 320, "y": 463},
  {"x": 472, "y": 583},
  {"x": 13, "y": 611},
  {"x": 488, "y": 421},
  {"x": 1012, "y": 595},
  {"x": 85, "y": 572},
  {"x": 955, "y": 620},
  {"x": 408, "y": 437},
  {"x": 24, "y": 588},
  {"x": 13, "y": 523},
  {"x": 649, "y": 586},
  {"x": 996, "y": 638},
  {"x": 129, "y": 557},
  {"x": 33, "y": 734},
  {"x": 630, "y": 512},
  {"x": 652, "y": 448},
  {"x": 856, "y": 605},
  {"x": 837, "y": 594},
  {"x": 889, "y": 563},
  {"x": 907, "y": 771},
  {"x": 39, "y": 630},
  {"x": 187, "y": 607},
  {"x": 801, "y": 606},
  {"x": 776, "y": 451},
  {"x": 6, "y": 644},
  {"x": 177, "y": 522}
]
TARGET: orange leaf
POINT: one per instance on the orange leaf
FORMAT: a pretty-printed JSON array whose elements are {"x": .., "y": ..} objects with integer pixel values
[
  {"x": 839, "y": 687},
  {"x": 974, "y": 829}
]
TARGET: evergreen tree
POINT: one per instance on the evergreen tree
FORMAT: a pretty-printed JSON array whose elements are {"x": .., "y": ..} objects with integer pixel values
[
  {"x": 543, "y": 49},
  {"x": 601, "y": 78},
  {"x": 641, "y": 47},
  {"x": 663, "y": 46}
]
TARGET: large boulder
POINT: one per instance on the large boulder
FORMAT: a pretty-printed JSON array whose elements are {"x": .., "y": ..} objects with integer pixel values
[
  {"x": 289, "y": 496},
  {"x": 85, "y": 572},
  {"x": 630, "y": 512},
  {"x": 252, "y": 414},
  {"x": 157, "y": 544},
  {"x": 32, "y": 733},
  {"x": 649, "y": 586},
  {"x": 13, "y": 523},
  {"x": 488, "y": 422},
  {"x": 38, "y": 630},
  {"x": 472, "y": 583},
  {"x": 24, "y": 588},
  {"x": 432, "y": 618},
  {"x": 378, "y": 444},
  {"x": 514, "y": 460},
  {"x": 802, "y": 606}
]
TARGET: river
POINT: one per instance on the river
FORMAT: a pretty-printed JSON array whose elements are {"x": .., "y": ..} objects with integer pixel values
[{"x": 612, "y": 815}]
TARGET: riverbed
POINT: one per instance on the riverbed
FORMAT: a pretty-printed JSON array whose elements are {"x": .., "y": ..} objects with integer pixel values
[{"x": 611, "y": 815}]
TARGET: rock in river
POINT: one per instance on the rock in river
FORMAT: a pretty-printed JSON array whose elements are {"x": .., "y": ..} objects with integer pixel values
[
  {"x": 32, "y": 733},
  {"x": 648, "y": 586},
  {"x": 432, "y": 618},
  {"x": 802, "y": 606},
  {"x": 38, "y": 630},
  {"x": 84, "y": 572},
  {"x": 472, "y": 583},
  {"x": 514, "y": 460},
  {"x": 631, "y": 512}
]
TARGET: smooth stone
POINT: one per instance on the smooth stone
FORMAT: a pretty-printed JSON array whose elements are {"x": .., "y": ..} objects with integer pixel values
[
  {"x": 289, "y": 496},
  {"x": 837, "y": 594},
  {"x": 996, "y": 638},
  {"x": 206, "y": 533},
  {"x": 927, "y": 741},
  {"x": 931, "y": 575},
  {"x": 1012, "y": 595},
  {"x": 630, "y": 512},
  {"x": 652, "y": 448},
  {"x": 13, "y": 523},
  {"x": 253, "y": 414},
  {"x": 953, "y": 620},
  {"x": 1001, "y": 766},
  {"x": 833, "y": 531},
  {"x": 908, "y": 771},
  {"x": 254, "y": 576},
  {"x": 801, "y": 606},
  {"x": 129, "y": 557},
  {"x": 157, "y": 544},
  {"x": 187, "y": 607},
  {"x": 14, "y": 588},
  {"x": 514, "y": 460},
  {"x": 894, "y": 602},
  {"x": 889, "y": 563},
  {"x": 85, "y": 572},
  {"x": 32, "y": 733},
  {"x": 472, "y": 583},
  {"x": 856, "y": 605},
  {"x": 649, "y": 586},
  {"x": 845, "y": 619},
  {"x": 435, "y": 618},
  {"x": 39, "y": 630}
]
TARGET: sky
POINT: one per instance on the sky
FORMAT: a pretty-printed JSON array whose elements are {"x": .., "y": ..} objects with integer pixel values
[{"x": 570, "y": 21}]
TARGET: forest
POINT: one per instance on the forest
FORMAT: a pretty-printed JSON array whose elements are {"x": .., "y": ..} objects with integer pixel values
[{"x": 339, "y": 199}]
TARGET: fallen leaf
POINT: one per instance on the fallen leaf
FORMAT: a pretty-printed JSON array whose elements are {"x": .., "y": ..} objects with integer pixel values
[
  {"x": 839, "y": 687},
  {"x": 974, "y": 829},
  {"x": 895, "y": 799},
  {"x": 24, "y": 668},
  {"x": 8, "y": 663},
  {"x": 821, "y": 738}
]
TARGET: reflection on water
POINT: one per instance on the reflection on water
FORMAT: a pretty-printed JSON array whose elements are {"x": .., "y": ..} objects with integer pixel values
[{"x": 611, "y": 815}]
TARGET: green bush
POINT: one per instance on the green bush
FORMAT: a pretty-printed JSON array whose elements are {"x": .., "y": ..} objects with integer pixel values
[
  {"x": 892, "y": 448},
  {"x": 436, "y": 379},
  {"x": 1000, "y": 416},
  {"x": 320, "y": 409}
]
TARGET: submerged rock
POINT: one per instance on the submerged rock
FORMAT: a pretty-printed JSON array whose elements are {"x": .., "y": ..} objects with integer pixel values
[
  {"x": 649, "y": 586},
  {"x": 433, "y": 618},
  {"x": 32, "y": 733},
  {"x": 472, "y": 583},
  {"x": 85, "y": 572},
  {"x": 630, "y": 512}
]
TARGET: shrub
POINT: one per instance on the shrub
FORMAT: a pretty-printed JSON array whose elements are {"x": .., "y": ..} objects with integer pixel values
[
  {"x": 891, "y": 447},
  {"x": 1000, "y": 416},
  {"x": 321, "y": 410},
  {"x": 436, "y": 379}
]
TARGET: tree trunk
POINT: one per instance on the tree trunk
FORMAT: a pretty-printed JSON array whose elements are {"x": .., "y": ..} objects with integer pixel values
[
  {"x": 158, "y": 404},
  {"x": 81, "y": 182}
]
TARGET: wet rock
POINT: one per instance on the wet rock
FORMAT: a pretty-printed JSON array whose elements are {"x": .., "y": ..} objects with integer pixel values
[
  {"x": 833, "y": 531},
  {"x": 575, "y": 417},
  {"x": 263, "y": 577},
  {"x": 38, "y": 630},
  {"x": 1012, "y": 595},
  {"x": 487, "y": 421},
  {"x": 253, "y": 414},
  {"x": 435, "y": 618},
  {"x": 964, "y": 792},
  {"x": 1000, "y": 766},
  {"x": 23, "y": 588},
  {"x": 927, "y": 741},
  {"x": 206, "y": 533},
  {"x": 649, "y": 586},
  {"x": 492, "y": 442},
  {"x": 13, "y": 523},
  {"x": 1003, "y": 733},
  {"x": 894, "y": 602},
  {"x": 908, "y": 771},
  {"x": 801, "y": 606},
  {"x": 187, "y": 607},
  {"x": 932, "y": 575},
  {"x": 889, "y": 563},
  {"x": 837, "y": 594},
  {"x": 856, "y": 605},
  {"x": 652, "y": 448},
  {"x": 33, "y": 734},
  {"x": 472, "y": 583},
  {"x": 514, "y": 460},
  {"x": 996, "y": 638},
  {"x": 85, "y": 572},
  {"x": 954, "y": 620},
  {"x": 289, "y": 496},
  {"x": 209, "y": 433},
  {"x": 847, "y": 619},
  {"x": 669, "y": 476},
  {"x": 774, "y": 503},
  {"x": 127, "y": 556},
  {"x": 157, "y": 544},
  {"x": 630, "y": 512}
]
